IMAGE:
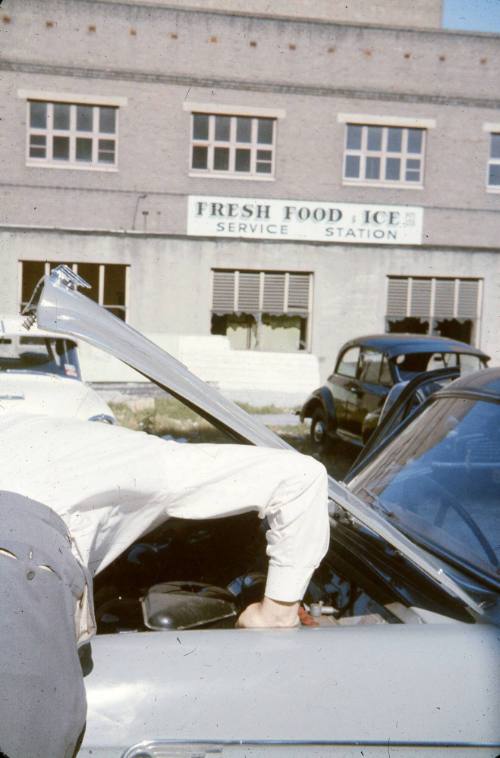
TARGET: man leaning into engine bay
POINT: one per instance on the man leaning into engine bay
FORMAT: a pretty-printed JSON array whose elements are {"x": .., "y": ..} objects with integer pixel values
[{"x": 111, "y": 485}]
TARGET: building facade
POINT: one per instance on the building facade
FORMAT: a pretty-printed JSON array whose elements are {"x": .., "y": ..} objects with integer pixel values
[{"x": 267, "y": 186}]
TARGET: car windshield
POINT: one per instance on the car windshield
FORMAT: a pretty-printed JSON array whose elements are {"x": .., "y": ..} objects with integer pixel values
[
  {"x": 439, "y": 481},
  {"x": 49, "y": 355},
  {"x": 410, "y": 364}
]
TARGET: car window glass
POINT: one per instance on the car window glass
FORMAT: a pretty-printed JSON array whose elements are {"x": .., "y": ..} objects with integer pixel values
[
  {"x": 43, "y": 354},
  {"x": 438, "y": 480},
  {"x": 450, "y": 360},
  {"x": 348, "y": 363},
  {"x": 369, "y": 366},
  {"x": 411, "y": 364},
  {"x": 385, "y": 373},
  {"x": 437, "y": 360},
  {"x": 469, "y": 363}
]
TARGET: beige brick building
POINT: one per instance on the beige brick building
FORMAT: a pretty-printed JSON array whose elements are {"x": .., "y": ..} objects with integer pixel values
[{"x": 254, "y": 178}]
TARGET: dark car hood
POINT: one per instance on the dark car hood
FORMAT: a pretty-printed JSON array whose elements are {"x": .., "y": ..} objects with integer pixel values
[{"x": 61, "y": 308}]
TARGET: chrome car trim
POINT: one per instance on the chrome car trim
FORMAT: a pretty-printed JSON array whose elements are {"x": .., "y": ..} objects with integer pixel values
[
  {"x": 61, "y": 308},
  {"x": 206, "y": 748}
]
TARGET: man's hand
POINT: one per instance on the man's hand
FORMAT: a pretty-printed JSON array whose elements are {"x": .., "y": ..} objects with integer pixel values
[{"x": 269, "y": 613}]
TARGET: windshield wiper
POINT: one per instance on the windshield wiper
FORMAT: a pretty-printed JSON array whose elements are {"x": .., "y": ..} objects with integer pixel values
[{"x": 378, "y": 504}]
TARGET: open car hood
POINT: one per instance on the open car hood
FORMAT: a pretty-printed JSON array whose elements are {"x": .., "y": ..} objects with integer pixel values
[{"x": 61, "y": 308}]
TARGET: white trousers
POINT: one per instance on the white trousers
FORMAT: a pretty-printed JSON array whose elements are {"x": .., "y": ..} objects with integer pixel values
[{"x": 112, "y": 485}]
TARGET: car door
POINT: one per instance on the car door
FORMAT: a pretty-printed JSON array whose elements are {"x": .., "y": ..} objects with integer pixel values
[
  {"x": 342, "y": 385},
  {"x": 368, "y": 389}
]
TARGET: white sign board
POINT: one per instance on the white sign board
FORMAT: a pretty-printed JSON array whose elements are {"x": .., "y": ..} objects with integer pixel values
[{"x": 255, "y": 218}]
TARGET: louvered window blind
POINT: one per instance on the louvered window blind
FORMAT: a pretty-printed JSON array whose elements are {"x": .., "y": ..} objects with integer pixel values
[
  {"x": 261, "y": 292},
  {"x": 431, "y": 297}
]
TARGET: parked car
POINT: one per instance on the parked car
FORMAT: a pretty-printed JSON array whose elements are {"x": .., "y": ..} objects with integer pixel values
[
  {"x": 40, "y": 373},
  {"x": 397, "y": 664},
  {"x": 348, "y": 405}
]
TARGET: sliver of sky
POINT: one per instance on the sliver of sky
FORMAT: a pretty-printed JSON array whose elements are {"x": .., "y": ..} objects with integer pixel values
[{"x": 473, "y": 15}]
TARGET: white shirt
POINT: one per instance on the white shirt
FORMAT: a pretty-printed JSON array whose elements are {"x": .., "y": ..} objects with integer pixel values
[{"x": 111, "y": 485}]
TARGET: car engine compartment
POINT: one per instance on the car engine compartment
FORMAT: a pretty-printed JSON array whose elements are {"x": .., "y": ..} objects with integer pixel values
[{"x": 202, "y": 574}]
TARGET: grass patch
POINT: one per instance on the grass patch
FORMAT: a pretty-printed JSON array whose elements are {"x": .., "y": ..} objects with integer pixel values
[{"x": 167, "y": 416}]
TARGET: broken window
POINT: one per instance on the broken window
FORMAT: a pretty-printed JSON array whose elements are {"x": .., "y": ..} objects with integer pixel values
[
  {"x": 260, "y": 310},
  {"x": 434, "y": 305}
]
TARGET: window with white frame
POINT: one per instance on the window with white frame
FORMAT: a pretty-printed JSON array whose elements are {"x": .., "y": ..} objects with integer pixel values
[
  {"x": 72, "y": 134},
  {"x": 262, "y": 310},
  {"x": 494, "y": 161},
  {"x": 232, "y": 145},
  {"x": 449, "y": 307},
  {"x": 384, "y": 154},
  {"x": 108, "y": 282}
]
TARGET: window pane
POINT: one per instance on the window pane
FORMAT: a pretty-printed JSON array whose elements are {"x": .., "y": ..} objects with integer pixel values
[
  {"x": 84, "y": 118},
  {"x": 61, "y": 116},
  {"x": 349, "y": 363},
  {"x": 414, "y": 140},
  {"x": 118, "y": 312},
  {"x": 200, "y": 126},
  {"x": 90, "y": 272},
  {"x": 38, "y": 115},
  {"x": 264, "y": 161},
  {"x": 495, "y": 145},
  {"x": 32, "y": 273},
  {"x": 354, "y": 137},
  {"x": 385, "y": 373},
  {"x": 394, "y": 140},
  {"x": 392, "y": 169},
  {"x": 242, "y": 162},
  {"x": 494, "y": 174},
  {"x": 37, "y": 146},
  {"x": 264, "y": 168},
  {"x": 412, "y": 176},
  {"x": 114, "y": 285},
  {"x": 83, "y": 149},
  {"x": 264, "y": 155},
  {"x": 60, "y": 148},
  {"x": 106, "y": 151},
  {"x": 222, "y": 124},
  {"x": 200, "y": 157},
  {"x": 352, "y": 166},
  {"x": 243, "y": 129},
  {"x": 369, "y": 366},
  {"x": 412, "y": 170},
  {"x": 265, "y": 131},
  {"x": 372, "y": 168},
  {"x": 107, "y": 120},
  {"x": 374, "y": 138},
  {"x": 221, "y": 159}
]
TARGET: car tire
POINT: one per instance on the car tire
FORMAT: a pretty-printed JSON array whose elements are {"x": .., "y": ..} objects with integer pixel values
[{"x": 320, "y": 440}]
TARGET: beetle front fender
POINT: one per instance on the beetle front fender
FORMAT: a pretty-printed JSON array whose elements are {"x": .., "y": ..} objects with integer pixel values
[{"x": 320, "y": 398}]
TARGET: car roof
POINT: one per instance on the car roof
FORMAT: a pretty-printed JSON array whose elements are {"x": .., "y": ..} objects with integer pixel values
[
  {"x": 399, "y": 344},
  {"x": 486, "y": 381},
  {"x": 13, "y": 326}
]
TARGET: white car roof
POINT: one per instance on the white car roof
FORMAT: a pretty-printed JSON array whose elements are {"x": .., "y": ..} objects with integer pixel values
[{"x": 12, "y": 325}]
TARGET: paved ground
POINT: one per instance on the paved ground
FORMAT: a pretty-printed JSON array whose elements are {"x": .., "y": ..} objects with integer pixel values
[{"x": 279, "y": 419}]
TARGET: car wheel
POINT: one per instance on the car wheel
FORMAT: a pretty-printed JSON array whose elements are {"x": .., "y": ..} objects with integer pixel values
[{"x": 318, "y": 432}]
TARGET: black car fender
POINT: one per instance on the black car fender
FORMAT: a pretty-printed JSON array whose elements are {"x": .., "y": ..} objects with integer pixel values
[{"x": 320, "y": 398}]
